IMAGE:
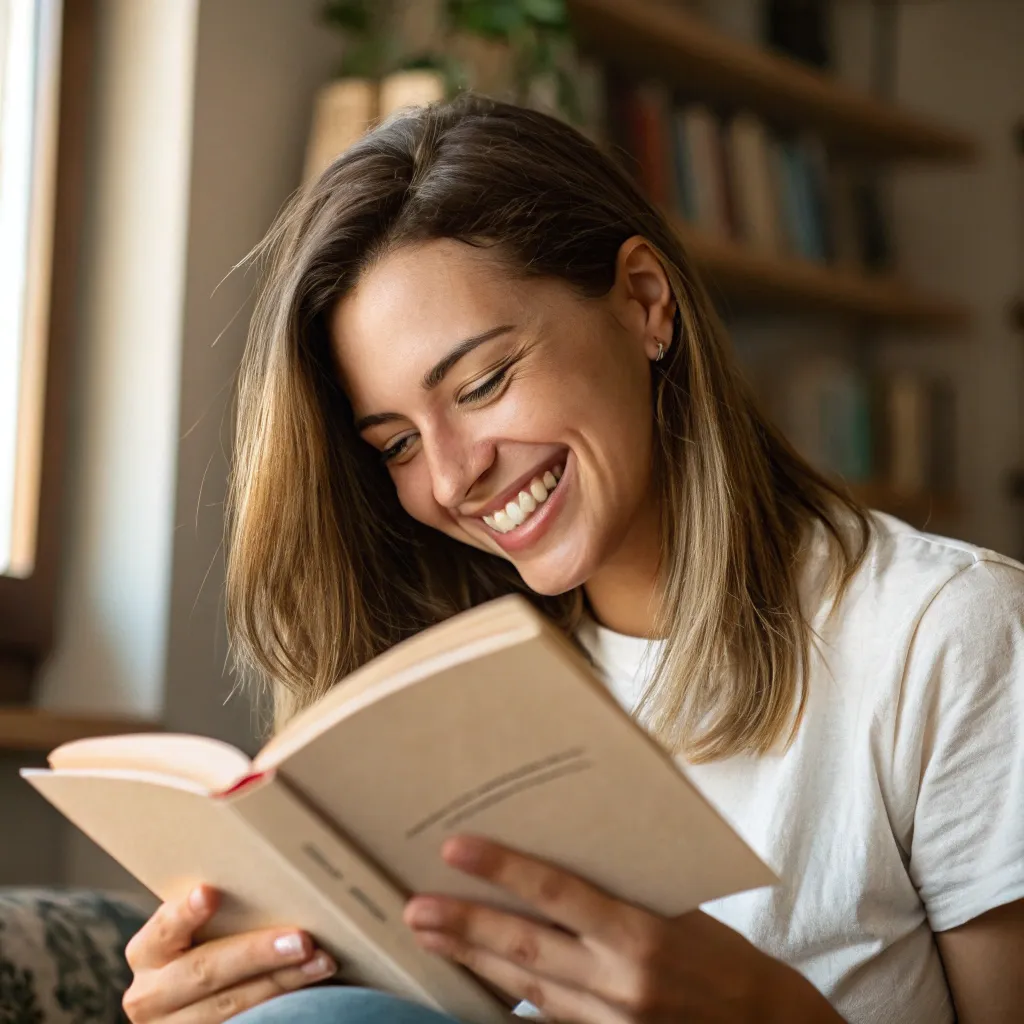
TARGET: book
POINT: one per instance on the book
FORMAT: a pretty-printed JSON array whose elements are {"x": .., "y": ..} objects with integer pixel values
[
  {"x": 647, "y": 112},
  {"x": 699, "y": 130},
  {"x": 751, "y": 183},
  {"x": 492, "y": 722},
  {"x": 906, "y": 438}
]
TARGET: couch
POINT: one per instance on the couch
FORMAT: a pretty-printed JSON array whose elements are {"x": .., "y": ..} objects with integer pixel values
[{"x": 62, "y": 955}]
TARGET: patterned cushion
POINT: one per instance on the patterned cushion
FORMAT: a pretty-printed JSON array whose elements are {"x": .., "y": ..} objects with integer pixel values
[{"x": 62, "y": 956}]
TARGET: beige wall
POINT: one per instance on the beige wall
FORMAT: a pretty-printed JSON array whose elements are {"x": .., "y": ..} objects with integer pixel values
[
  {"x": 257, "y": 66},
  {"x": 142, "y": 612}
]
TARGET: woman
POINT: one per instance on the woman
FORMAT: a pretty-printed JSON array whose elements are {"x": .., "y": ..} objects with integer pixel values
[{"x": 482, "y": 363}]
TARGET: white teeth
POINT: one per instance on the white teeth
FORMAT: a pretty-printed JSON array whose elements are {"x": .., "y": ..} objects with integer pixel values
[{"x": 525, "y": 503}]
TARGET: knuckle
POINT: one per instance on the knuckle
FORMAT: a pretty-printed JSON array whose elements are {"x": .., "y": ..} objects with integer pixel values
[
  {"x": 201, "y": 972},
  {"x": 553, "y": 886},
  {"x": 523, "y": 948},
  {"x": 228, "y": 1003},
  {"x": 135, "y": 1002},
  {"x": 135, "y": 948}
]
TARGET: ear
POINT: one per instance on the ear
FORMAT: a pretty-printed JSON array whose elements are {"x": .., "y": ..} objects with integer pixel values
[{"x": 642, "y": 291}]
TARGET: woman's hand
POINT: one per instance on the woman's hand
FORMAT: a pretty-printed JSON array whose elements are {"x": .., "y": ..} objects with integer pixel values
[
  {"x": 178, "y": 983},
  {"x": 614, "y": 963}
]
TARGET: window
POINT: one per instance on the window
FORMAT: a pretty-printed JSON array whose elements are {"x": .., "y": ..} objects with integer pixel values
[{"x": 29, "y": 83}]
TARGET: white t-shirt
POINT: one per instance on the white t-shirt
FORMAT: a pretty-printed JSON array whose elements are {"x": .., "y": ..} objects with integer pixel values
[{"x": 899, "y": 808}]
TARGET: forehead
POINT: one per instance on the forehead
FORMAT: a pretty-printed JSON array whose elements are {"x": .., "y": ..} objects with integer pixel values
[{"x": 423, "y": 298}]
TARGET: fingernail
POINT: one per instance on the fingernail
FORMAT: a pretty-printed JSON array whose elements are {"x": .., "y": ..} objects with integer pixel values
[
  {"x": 467, "y": 852},
  {"x": 197, "y": 899},
  {"x": 426, "y": 914},
  {"x": 321, "y": 966},
  {"x": 289, "y": 946}
]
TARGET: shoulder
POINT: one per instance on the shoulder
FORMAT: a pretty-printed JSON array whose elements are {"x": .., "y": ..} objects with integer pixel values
[{"x": 912, "y": 583}]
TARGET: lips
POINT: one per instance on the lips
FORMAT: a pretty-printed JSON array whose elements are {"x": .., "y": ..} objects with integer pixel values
[
  {"x": 511, "y": 493},
  {"x": 519, "y": 509}
]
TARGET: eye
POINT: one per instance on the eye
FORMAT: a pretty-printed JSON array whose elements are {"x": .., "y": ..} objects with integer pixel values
[
  {"x": 488, "y": 387},
  {"x": 401, "y": 447}
]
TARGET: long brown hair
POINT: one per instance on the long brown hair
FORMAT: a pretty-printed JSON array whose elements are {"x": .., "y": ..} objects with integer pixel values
[{"x": 325, "y": 570}]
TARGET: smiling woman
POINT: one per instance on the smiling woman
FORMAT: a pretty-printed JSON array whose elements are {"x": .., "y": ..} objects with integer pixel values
[{"x": 482, "y": 363}]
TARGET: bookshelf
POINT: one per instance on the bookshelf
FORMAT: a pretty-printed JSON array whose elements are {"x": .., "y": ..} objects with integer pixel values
[
  {"x": 745, "y": 277},
  {"x": 656, "y": 40},
  {"x": 36, "y": 729}
]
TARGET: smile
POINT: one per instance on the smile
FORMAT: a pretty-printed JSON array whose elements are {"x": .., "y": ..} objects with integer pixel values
[{"x": 525, "y": 504}]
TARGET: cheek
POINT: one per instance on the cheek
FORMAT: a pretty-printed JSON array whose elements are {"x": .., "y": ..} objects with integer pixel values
[{"x": 416, "y": 495}]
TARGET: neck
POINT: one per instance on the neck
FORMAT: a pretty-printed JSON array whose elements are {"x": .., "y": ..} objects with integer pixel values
[{"x": 624, "y": 594}]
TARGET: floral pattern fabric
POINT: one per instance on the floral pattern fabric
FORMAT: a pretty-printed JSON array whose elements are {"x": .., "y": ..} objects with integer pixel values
[{"x": 62, "y": 956}]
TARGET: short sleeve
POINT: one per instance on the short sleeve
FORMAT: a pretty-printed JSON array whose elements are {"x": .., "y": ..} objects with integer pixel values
[{"x": 960, "y": 735}]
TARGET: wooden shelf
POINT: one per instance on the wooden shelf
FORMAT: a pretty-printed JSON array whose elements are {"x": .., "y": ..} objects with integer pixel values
[
  {"x": 748, "y": 278},
  {"x": 925, "y": 511},
  {"x": 35, "y": 729},
  {"x": 653, "y": 39}
]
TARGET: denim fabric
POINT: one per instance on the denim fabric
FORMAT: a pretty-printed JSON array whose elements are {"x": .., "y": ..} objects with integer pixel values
[{"x": 340, "y": 1005}]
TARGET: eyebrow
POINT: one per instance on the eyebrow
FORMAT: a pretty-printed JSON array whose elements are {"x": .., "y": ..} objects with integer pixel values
[{"x": 433, "y": 377}]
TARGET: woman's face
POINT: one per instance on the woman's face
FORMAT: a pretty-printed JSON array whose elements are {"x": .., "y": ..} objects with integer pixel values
[{"x": 512, "y": 414}]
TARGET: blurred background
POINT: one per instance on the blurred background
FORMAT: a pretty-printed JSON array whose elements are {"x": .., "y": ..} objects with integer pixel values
[{"x": 848, "y": 177}]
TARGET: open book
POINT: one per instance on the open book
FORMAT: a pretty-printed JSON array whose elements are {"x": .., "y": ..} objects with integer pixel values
[{"x": 491, "y": 723}]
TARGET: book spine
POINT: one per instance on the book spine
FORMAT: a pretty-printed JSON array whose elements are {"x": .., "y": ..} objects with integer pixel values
[
  {"x": 365, "y": 902},
  {"x": 686, "y": 185},
  {"x": 648, "y": 125},
  {"x": 906, "y": 413}
]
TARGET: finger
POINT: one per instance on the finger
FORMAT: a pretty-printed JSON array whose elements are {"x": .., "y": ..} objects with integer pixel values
[
  {"x": 556, "y": 1000},
  {"x": 530, "y": 944},
  {"x": 557, "y": 894},
  {"x": 219, "y": 965},
  {"x": 171, "y": 929},
  {"x": 221, "y": 1006}
]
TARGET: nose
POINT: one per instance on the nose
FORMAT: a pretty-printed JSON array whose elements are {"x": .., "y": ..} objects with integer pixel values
[{"x": 455, "y": 464}]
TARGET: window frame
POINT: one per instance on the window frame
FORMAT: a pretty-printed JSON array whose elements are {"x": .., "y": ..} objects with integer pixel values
[{"x": 28, "y": 603}]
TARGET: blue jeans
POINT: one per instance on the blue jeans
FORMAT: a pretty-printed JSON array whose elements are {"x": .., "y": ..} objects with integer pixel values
[{"x": 340, "y": 1005}]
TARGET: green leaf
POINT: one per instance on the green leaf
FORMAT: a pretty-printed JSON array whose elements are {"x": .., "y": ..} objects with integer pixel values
[
  {"x": 547, "y": 12},
  {"x": 348, "y": 15}
]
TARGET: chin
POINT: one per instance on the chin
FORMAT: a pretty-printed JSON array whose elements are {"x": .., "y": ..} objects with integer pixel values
[{"x": 554, "y": 576}]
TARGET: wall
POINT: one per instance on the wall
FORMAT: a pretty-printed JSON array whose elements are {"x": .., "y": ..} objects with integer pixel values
[
  {"x": 257, "y": 66},
  {"x": 961, "y": 230},
  {"x": 142, "y": 627}
]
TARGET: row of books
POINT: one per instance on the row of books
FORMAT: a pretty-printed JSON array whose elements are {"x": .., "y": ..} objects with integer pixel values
[
  {"x": 897, "y": 429},
  {"x": 736, "y": 178}
]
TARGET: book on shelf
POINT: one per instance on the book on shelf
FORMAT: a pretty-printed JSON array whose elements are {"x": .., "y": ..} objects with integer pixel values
[
  {"x": 917, "y": 434},
  {"x": 491, "y": 722},
  {"x": 737, "y": 178}
]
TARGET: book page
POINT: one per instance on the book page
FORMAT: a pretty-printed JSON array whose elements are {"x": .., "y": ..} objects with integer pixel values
[
  {"x": 521, "y": 743},
  {"x": 275, "y": 864},
  {"x": 212, "y": 764}
]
